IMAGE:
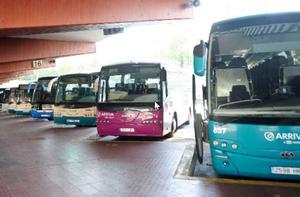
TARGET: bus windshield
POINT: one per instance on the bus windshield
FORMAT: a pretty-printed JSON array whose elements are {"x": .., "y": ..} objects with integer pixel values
[
  {"x": 130, "y": 83},
  {"x": 1, "y": 95},
  {"x": 256, "y": 70},
  {"x": 13, "y": 95},
  {"x": 6, "y": 96},
  {"x": 23, "y": 96},
  {"x": 76, "y": 89},
  {"x": 41, "y": 94}
]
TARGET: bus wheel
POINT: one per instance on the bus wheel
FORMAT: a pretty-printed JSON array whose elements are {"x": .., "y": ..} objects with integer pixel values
[
  {"x": 199, "y": 136},
  {"x": 189, "y": 117},
  {"x": 173, "y": 126}
]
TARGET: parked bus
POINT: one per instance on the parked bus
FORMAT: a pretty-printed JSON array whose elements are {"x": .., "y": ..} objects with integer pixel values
[
  {"x": 252, "y": 68},
  {"x": 43, "y": 98},
  {"x": 5, "y": 100},
  {"x": 24, "y": 95},
  {"x": 1, "y": 97},
  {"x": 12, "y": 100},
  {"x": 75, "y": 102},
  {"x": 138, "y": 99}
]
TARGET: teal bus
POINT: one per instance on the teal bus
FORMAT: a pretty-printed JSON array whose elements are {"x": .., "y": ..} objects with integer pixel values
[
  {"x": 43, "y": 98},
  {"x": 24, "y": 96},
  {"x": 12, "y": 100},
  {"x": 75, "y": 102},
  {"x": 2, "y": 90},
  {"x": 4, "y": 99},
  {"x": 251, "y": 98}
]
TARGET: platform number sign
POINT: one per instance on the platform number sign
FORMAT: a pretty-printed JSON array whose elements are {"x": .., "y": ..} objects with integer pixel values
[{"x": 37, "y": 63}]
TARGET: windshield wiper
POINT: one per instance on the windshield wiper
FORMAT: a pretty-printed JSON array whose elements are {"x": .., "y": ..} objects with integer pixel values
[{"x": 248, "y": 101}]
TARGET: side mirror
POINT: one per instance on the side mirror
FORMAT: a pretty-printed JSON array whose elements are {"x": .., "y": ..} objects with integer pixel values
[
  {"x": 163, "y": 75},
  {"x": 200, "y": 58}
]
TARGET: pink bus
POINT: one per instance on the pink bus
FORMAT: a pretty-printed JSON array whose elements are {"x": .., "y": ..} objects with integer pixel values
[{"x": 138, "y": 99}]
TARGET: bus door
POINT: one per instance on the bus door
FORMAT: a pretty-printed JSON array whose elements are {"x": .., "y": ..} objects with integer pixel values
[{"x": 166, "y": 103}]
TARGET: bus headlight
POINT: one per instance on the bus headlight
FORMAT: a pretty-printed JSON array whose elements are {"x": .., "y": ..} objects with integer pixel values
[
  {"x": 223, "y": 144},
  {"x": 150, "y": 122},
  {"x": 225, "y": 163},
  {"x": 104, "y": 121},
  {"x": 215, "y": 143},
  {"x": 57, "y": 114},
  {"x": 90, "y": 115},
  {"x": 234, "y": 146}
]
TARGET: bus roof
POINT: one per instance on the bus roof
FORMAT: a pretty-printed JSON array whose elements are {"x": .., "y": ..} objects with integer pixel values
[
  {"x": 95, "y": 73},
  {"x": 76, "y": 75},
  {"x": 47, "y": 78},
  {"x": 131, "y": 64},
  {"x": 23, "y": 85},
  {"x": 261, "y": 19},
  {"x": 61, "y": 77}
]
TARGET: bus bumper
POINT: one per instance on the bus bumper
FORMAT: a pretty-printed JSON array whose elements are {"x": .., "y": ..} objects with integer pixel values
[
  {"x": 42, "y": 115},
  {"x": 233, "y": 164},
  {"x": 23, "y": 113},
  {"x": 80, "y": 121},
  {"x": 140, "y": 130},
  {"x": 11, "y": 111},
  {"x": 4, "y": 107}
]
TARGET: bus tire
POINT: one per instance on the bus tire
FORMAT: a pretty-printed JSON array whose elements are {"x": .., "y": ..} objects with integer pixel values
[
  {"x": 198, "y": 137},
  {"x": 174, "y": 126}
]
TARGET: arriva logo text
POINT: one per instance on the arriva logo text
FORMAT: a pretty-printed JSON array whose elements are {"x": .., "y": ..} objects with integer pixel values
[{"x": 270, "y": 136}]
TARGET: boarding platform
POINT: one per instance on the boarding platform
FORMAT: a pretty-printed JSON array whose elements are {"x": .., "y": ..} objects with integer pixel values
[{"x": 39, "y": 158}]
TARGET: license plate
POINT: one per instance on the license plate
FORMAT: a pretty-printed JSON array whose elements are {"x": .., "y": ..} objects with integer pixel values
[
  {"x": 69, "y": 120},
  {"x": 285, "y": 170},
  {"x": 127, "y": 130}
]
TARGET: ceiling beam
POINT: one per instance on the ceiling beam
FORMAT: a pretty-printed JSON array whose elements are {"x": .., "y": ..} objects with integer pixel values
[
  {"x": 21, "y": 49},
  {"x": 26, "y": 65},
  {"x": 24, "y": 14},
  {"x": 15, "y": 74}
]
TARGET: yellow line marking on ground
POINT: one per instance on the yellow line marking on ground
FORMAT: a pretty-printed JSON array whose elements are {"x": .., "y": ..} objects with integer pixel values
[
  {"x": 254, "y": 182},
  {"x": 242, "y": 181}
]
